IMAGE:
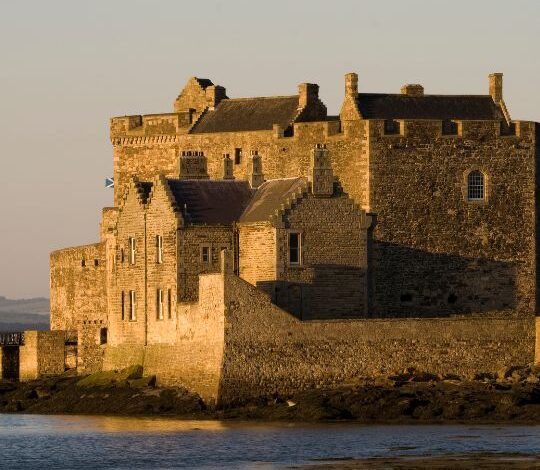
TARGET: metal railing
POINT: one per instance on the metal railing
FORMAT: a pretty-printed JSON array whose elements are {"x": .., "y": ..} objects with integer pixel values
[{"x": 12, "y": 339}]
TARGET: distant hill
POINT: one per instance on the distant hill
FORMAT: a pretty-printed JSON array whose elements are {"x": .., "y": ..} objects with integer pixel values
[{"x": 24, "y": 314}]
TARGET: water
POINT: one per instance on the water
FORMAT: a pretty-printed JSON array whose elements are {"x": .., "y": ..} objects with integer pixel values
[{"x": 67, "y": 442}]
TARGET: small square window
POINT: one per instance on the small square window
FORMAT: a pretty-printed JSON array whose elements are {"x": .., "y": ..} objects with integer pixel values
[
  {"x": 295, "y": 253},
  {"x": 96, "y": 262}
]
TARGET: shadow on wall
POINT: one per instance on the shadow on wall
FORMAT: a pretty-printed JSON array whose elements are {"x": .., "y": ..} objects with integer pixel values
[
  {"x": 405, "y": 282},
  {"x": 321, "y": 292}
]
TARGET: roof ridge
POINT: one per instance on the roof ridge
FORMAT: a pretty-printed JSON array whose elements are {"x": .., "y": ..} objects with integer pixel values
[
  {"x": 424, "y": 95},
  {"x": 247, "y": 98}
]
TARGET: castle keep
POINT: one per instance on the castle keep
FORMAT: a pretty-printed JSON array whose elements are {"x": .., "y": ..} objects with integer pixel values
[{"x": 259, "y": 245}]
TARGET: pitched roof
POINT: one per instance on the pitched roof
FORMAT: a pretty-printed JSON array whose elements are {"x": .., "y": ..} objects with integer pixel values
[
  {"x": 269, "y": 197},
  {"x": 249, "y": 114},
  {"x": 399, "y": 106},
  {"x": 211, "y": 202}
]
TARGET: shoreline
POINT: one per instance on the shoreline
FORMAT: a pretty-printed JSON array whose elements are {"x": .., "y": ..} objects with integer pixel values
[{"x": 488, "y": 401}]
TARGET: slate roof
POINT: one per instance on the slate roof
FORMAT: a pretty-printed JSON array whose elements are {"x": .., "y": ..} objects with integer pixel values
[
  {"x": 248, "y": 114},
  {"x": 210, "y": 202},
  {"x": 398, "y": 106},
  {"x": 269, "y": 197}
]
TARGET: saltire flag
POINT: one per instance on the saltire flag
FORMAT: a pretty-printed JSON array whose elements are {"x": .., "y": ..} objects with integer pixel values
[{"x": 109, "y": 182}]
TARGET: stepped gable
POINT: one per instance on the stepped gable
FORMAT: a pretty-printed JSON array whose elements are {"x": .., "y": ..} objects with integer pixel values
[
  {"x": 401, "y": 106},
  {"x": 270, "y": 197},
  {"x": 210, "y": 202},
  {"x": 249, "y": 114}
]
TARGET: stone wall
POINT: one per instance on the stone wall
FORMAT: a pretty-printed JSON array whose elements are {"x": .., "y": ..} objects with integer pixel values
[
  {"x": 194, "y": 361},
  {"x": 257, "y": 253},
  {"x": 78, "y": 286},
  {"x": 435, "y": 252},
  {"x": 331, "y": 281},
  {"x": 270, "y": 351},
  {"x": 42, "y": 354}
]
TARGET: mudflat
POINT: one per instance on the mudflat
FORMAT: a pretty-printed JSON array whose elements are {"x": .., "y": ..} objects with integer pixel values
[{"x": 444, "y": 462}]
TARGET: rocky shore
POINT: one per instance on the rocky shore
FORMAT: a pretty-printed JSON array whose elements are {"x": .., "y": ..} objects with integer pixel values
[{"x": 511, "y": 396}]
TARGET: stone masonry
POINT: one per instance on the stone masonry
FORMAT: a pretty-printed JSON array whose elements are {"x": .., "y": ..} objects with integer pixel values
[{"x": 402, "y": 232}]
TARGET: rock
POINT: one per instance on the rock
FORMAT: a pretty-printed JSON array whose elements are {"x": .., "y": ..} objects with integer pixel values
[
  {"x": 149, "y": 381},
  {"x": 453, "y": 377},
  {"x": 485, "y": 377},
  {"x": 290, "y": 403},
  {"x": 106, "y": 378},
  {"x": 532, "y": 379},
  {"x": 424, "y": 377},
  {"x": 31, "y": 394},
  {"x": 7, "y": 387},
  {"x": 42, "y": 393}
]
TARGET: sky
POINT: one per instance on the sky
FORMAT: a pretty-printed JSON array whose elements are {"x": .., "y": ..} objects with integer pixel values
[{"x": 67, "y": 66}]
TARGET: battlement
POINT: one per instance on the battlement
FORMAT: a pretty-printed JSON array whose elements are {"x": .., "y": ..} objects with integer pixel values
[
  {"x": 433, "y": 129},
  {"x": 151, "y": 124}
]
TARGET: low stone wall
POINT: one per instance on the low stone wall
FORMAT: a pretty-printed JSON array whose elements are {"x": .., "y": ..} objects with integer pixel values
[
  {"x": 270, "y": 351},
  {"x": 42, "y": 354},
  {"x": 234, "y": 344}
]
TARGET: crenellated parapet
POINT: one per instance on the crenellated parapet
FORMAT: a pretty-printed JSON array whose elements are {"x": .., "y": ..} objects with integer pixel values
[{"x": 149, "y": 128}]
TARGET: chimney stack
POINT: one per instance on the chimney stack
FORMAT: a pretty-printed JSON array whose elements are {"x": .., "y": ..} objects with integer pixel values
[
  {"x": 322, "y": 176},
  {"x": 214, "y": 94},
  {"x": 351, "y": 84},
  {"x": 193, "y": 165},
  {"x": 308, "y": 94},
  {"x": 496, "y": 86},
  {"x": 256, "y": 176},
  {"x": 227, "y": 167},
  {"x": 412, "y": 89}
]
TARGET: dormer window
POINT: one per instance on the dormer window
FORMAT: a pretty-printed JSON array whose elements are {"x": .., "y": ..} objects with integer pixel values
[{"x": 475, "y": 186}]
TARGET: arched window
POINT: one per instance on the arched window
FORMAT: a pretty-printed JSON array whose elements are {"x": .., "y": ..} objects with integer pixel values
[{"x": 475, "y": 186}]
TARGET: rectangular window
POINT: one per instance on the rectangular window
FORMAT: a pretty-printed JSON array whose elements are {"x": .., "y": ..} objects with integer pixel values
[
  {"x": 294, "y": 248},
  {"x": 132, "y": 306},
  {"x": 206, "y": 256},
  {"x": 169, "y": 302},
  {"x": 131, "y": 250},
  {"x": 122, "y": 255},
  {"x": 103, "y": 336},
  {"x": 159, "y": 304},
  {"x": 123, "y": 305},
  {"x": 159, "y": 249},
  {"x": 237, "y": 156}
]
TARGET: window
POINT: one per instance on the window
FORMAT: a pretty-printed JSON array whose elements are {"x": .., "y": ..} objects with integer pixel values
[
  {"x": 83, "y": 263},
  {"x": 237, "y": 156},
  {"x": 294, "y": 248},
  {"x": 131, "y": 250},
  {"x": 123, "y": 305},
  {"x": 159, "y": 304},
  {"x": 103, "y": 336},
  {"x": 169, "y": 302},
  {"x": 96, "y": 262},
  {"x": 206, "y": 255},
  {"x": 122, "y": 255},
  {"x": 132, "y": 311},
  {"x": 475, "y": 186},
  {"x": 159, "y": 249}
]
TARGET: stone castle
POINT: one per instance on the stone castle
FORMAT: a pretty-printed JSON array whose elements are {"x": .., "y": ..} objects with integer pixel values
[{"x": 259, "y": 245}]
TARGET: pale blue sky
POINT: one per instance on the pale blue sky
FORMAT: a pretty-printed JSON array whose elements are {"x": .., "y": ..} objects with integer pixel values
[{"x": 68, "y": 66}]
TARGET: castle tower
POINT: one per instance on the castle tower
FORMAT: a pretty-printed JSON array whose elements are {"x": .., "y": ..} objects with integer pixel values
[
  {"x": 193, "y": 165},
  {"x": 256, "y": 176},
  {"x": 321, "y": 173},
  {"x": 227, "y": 167}
]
